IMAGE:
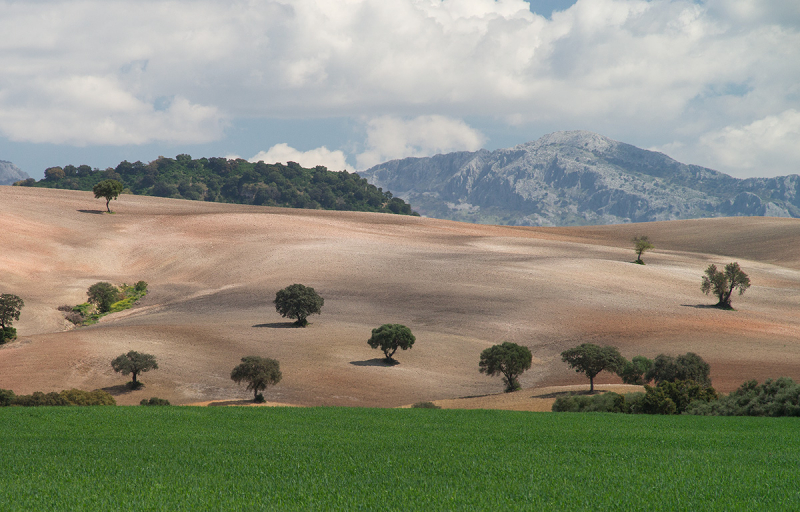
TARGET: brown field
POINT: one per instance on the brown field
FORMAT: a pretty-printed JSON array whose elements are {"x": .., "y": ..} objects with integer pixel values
[{"x": 213, "y": 270}]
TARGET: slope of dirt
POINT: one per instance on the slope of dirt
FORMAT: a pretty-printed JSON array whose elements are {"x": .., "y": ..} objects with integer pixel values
[{"x": 213, "y": 270}]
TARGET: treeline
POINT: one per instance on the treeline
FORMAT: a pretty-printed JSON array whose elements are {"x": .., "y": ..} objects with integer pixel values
[{"x": 233, "y": 181}]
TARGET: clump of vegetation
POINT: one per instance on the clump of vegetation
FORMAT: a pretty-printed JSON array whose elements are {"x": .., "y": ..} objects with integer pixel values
[
  {"x": 298, "y": 301},
  {"x": 65, "y": 397},
  {"x": 779, "y": 397},
  {"x": 228, "y": 181},
  {"x": 426, "y": 405},
  {"x": 640, "y": 245},
  {"x": 390, "y": 337},
  {"x": 154, "y": 401},
  {"x": 507, "y": 359},
  {"x": 104, "y": 299},
  {"x": 134, "y": 363},
  {"x": 591, "y": 359},
  {"x": 10, "y": 306},
  {"x": 602, "y": 402},
  {"x": 723, "y": 283},
  {"x": 258, "y": 372}
]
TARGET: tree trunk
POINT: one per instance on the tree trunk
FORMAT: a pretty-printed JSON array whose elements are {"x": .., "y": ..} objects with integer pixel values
[
  {"x": 591, "y": 384},
  {"x": 134, "y": 377},
  {"x": 108, "y": 200}
]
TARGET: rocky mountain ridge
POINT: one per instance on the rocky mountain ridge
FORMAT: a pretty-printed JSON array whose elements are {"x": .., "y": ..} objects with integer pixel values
[
  {"x": 577, "y": 178},
  {"x": 9, "y": 173}
]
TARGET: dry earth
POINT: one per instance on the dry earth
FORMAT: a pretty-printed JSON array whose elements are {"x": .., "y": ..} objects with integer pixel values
[{"x": 213, "y": 270}]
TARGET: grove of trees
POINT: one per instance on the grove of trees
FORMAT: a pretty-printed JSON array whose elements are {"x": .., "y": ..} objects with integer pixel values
[
  {"x": 507, "y": 359},
  {"x": 298, "y": 302}
]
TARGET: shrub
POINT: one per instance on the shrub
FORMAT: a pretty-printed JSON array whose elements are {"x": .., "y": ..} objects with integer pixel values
[
  {"x": 673, "y": 397},
  {"x": 154, "y": 401},
  {"x": 426, "y": 405},
  {"x": 7, "y": 334},
  {"x": 65, "y": 308},
  {"x": 96, "y": 397},
  {"x": 140, "y": 287},
  {"x": 38, "y": 399},
  {"x": 780, "y": 397},
  {"x": 604, "y": 402},
  {"x": 74, "y": 317},
  {"x": 6, "y": 397}
]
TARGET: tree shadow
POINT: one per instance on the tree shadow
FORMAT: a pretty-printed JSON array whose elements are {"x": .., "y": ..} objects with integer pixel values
[
  {"x": 121, "y": 389},
  {"x": 223, "y": 403},
  {"x": 279, "y": 325},
  {"x": 378, "y": 361},
  {"x": 558, "y": 394},
  {"x": 707, "y": 306},
  {"x": 96, "y": 212}
]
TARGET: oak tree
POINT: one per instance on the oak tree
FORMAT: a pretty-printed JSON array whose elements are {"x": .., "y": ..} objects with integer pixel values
[
  {"x": 722, "y": 283},
  {"x": 108, "y": 189},
  {"x": 592, "y": 359},
  {"x": 507, "y": 359},
  {"x": 134, "y": 363},
  {"x": 258, "y": 372},
  {"x": 390, "y": 337},
  {"x": 298, "y": 302}
]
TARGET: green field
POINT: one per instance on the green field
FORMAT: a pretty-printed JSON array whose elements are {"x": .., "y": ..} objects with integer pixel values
[{"x": 191, "y": 458}]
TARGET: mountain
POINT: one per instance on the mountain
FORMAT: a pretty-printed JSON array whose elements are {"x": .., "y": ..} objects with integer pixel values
[
  {"x": 9, "y": 173},
  {"x": 577, "y": 178}
]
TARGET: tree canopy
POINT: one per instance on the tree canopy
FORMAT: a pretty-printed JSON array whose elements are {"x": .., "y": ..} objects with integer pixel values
[
  {"x": 722, "y": 283},
  {"x": 258, "y": 372},
  {"x": 508, "y": 359},
  {"x": 390, "y": 337},
  {"x": 640, "y": 245},
  {"x": 10, "y": 306},
  {"x": 592, "y": 359},
  {"x": 134, "y": 363},
  {"x": 233, "y": 181},
  {"x": 689, "y": 366},
  {"x": 103, "y": 295},
  {"x": 298, "y": 301},
  {"x": 108, "y": 189}
]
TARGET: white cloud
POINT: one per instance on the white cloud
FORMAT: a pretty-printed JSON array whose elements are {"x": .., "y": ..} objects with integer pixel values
[
  {"x": 390, "y": 137},
  {"x": 95, "y": 72},
  {"x": 333, "y": 160}
]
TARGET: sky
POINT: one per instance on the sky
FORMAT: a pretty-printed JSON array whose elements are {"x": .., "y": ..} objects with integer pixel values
[{"x": 352, "y": 83}]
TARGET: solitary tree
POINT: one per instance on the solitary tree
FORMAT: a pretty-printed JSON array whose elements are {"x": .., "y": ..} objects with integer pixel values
[
  {"x": 108, "y": 189},
  {"x": 640, "y": 245},
  {"x": 722, "y": 283},
  {"x": 10, "y": 305},
  {"x": 103, "y": 295},
  {"x": 390, "y": 337},
  {"x": 298, "y": 301},
  {"x": 258, "y": 372},
  {"x": 592, "y": 359},
  {"x": 508, "y": 359},
  {"x": 134, "y": 363}
]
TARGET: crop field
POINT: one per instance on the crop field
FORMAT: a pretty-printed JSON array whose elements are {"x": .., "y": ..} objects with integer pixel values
[{"x": 190, "y": 458}]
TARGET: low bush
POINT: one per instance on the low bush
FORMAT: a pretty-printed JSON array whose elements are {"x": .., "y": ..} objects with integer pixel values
[
  {"x": 604, "y": 402},
  {"x": 74, "y": 317},
  {"x": 426, "y": 405},
  {"x": 780, "y": 397},
  {"x": 154, "y": 401},
  {"x": 65, "y": 308},
  {"x": 673, "y": 397},
  {"x": 7, "y": 334},
  {"x": 65, "y": 397},
  {"x": 6, "y": 397},
  {"x": 96, "y": 397}
]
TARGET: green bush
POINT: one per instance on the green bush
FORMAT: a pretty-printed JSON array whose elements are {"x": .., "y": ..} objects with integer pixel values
[
  {"x": 7, "y": 334},
  {"x": 6, "y": 397},
  {"x": 96, "y": 397},
  {"x": 426, "y": 405},
  {"x": 38, "y": 399},
  {"x": 154, "y": 401},
  {"x": 140, "y": 287},
  {"x": 780, "y": 397},
  {"x": 673, "y": 397},
  {"x": 605, "y": 402}
]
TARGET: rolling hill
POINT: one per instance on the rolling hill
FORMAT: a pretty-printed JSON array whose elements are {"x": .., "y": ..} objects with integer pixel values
[{"x": 213, "y": 270}]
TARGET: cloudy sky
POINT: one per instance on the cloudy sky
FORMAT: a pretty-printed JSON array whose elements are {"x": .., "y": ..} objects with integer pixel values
[{"x": 352, "y": 83}]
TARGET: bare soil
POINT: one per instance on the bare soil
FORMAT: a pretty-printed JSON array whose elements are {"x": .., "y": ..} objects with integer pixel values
[{"x": 213, "y": 270}]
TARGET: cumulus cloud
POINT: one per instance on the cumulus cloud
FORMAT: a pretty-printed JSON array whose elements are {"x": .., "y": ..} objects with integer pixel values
[
  {"x": 391, "y": 137},
  {"x": 643, "y": 71},
  {"x": 333, "y": 160}
]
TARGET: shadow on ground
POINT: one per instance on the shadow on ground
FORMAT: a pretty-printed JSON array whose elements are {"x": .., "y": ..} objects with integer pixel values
[
  {"x": 120, "y": 389},
  {"x": 96, "y": 212},
  {"x": 378, "y": 361},
  {"x": 278, "y": 325}
]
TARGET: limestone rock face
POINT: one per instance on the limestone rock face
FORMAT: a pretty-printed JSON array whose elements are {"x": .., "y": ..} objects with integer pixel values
[
  {"x": 577, "y": 178},
  {"x": 9, "y": 173}
]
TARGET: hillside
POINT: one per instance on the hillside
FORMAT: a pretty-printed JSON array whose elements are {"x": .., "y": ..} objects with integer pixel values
[
  {"x": 578, "y": 178},
  {"x": 10, "y": 173},
  {"x": 232, "y": 181},
  {"x": 213, "y": 270}
]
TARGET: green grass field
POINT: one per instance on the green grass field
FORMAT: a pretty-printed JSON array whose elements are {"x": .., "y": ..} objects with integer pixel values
[{"x": 190, "y": 458}]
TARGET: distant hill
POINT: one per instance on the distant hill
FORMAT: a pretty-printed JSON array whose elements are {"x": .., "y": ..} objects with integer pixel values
[
  {"x": 10, "y": 173},
  {"x": 578, "y": 178},
  {"x": 233, "y": 181}
]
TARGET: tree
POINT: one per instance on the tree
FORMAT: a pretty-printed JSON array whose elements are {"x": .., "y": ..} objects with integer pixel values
[
  {"x": 723, "y": 283},
  {"x": 390, "y": 337},
  {"x": 633, "y": 371},
  {"x": 298, "y": 301},
  {"x": 10, "y": 306},
  {"x": 689, "y": 366},
  {"x": 259, "y": 372},
  {"x": 108, "y": 189},
  {"x": 640, "y": 245},
  {"x": 134, "y": 363},
  {"x": 592, "y": 359},
  {"x": 103, "y": 295},
  {"x": 508, "y": 359}
]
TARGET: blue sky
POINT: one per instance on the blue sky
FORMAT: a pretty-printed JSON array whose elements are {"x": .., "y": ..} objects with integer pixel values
[{"x": 352, "y": 83}]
